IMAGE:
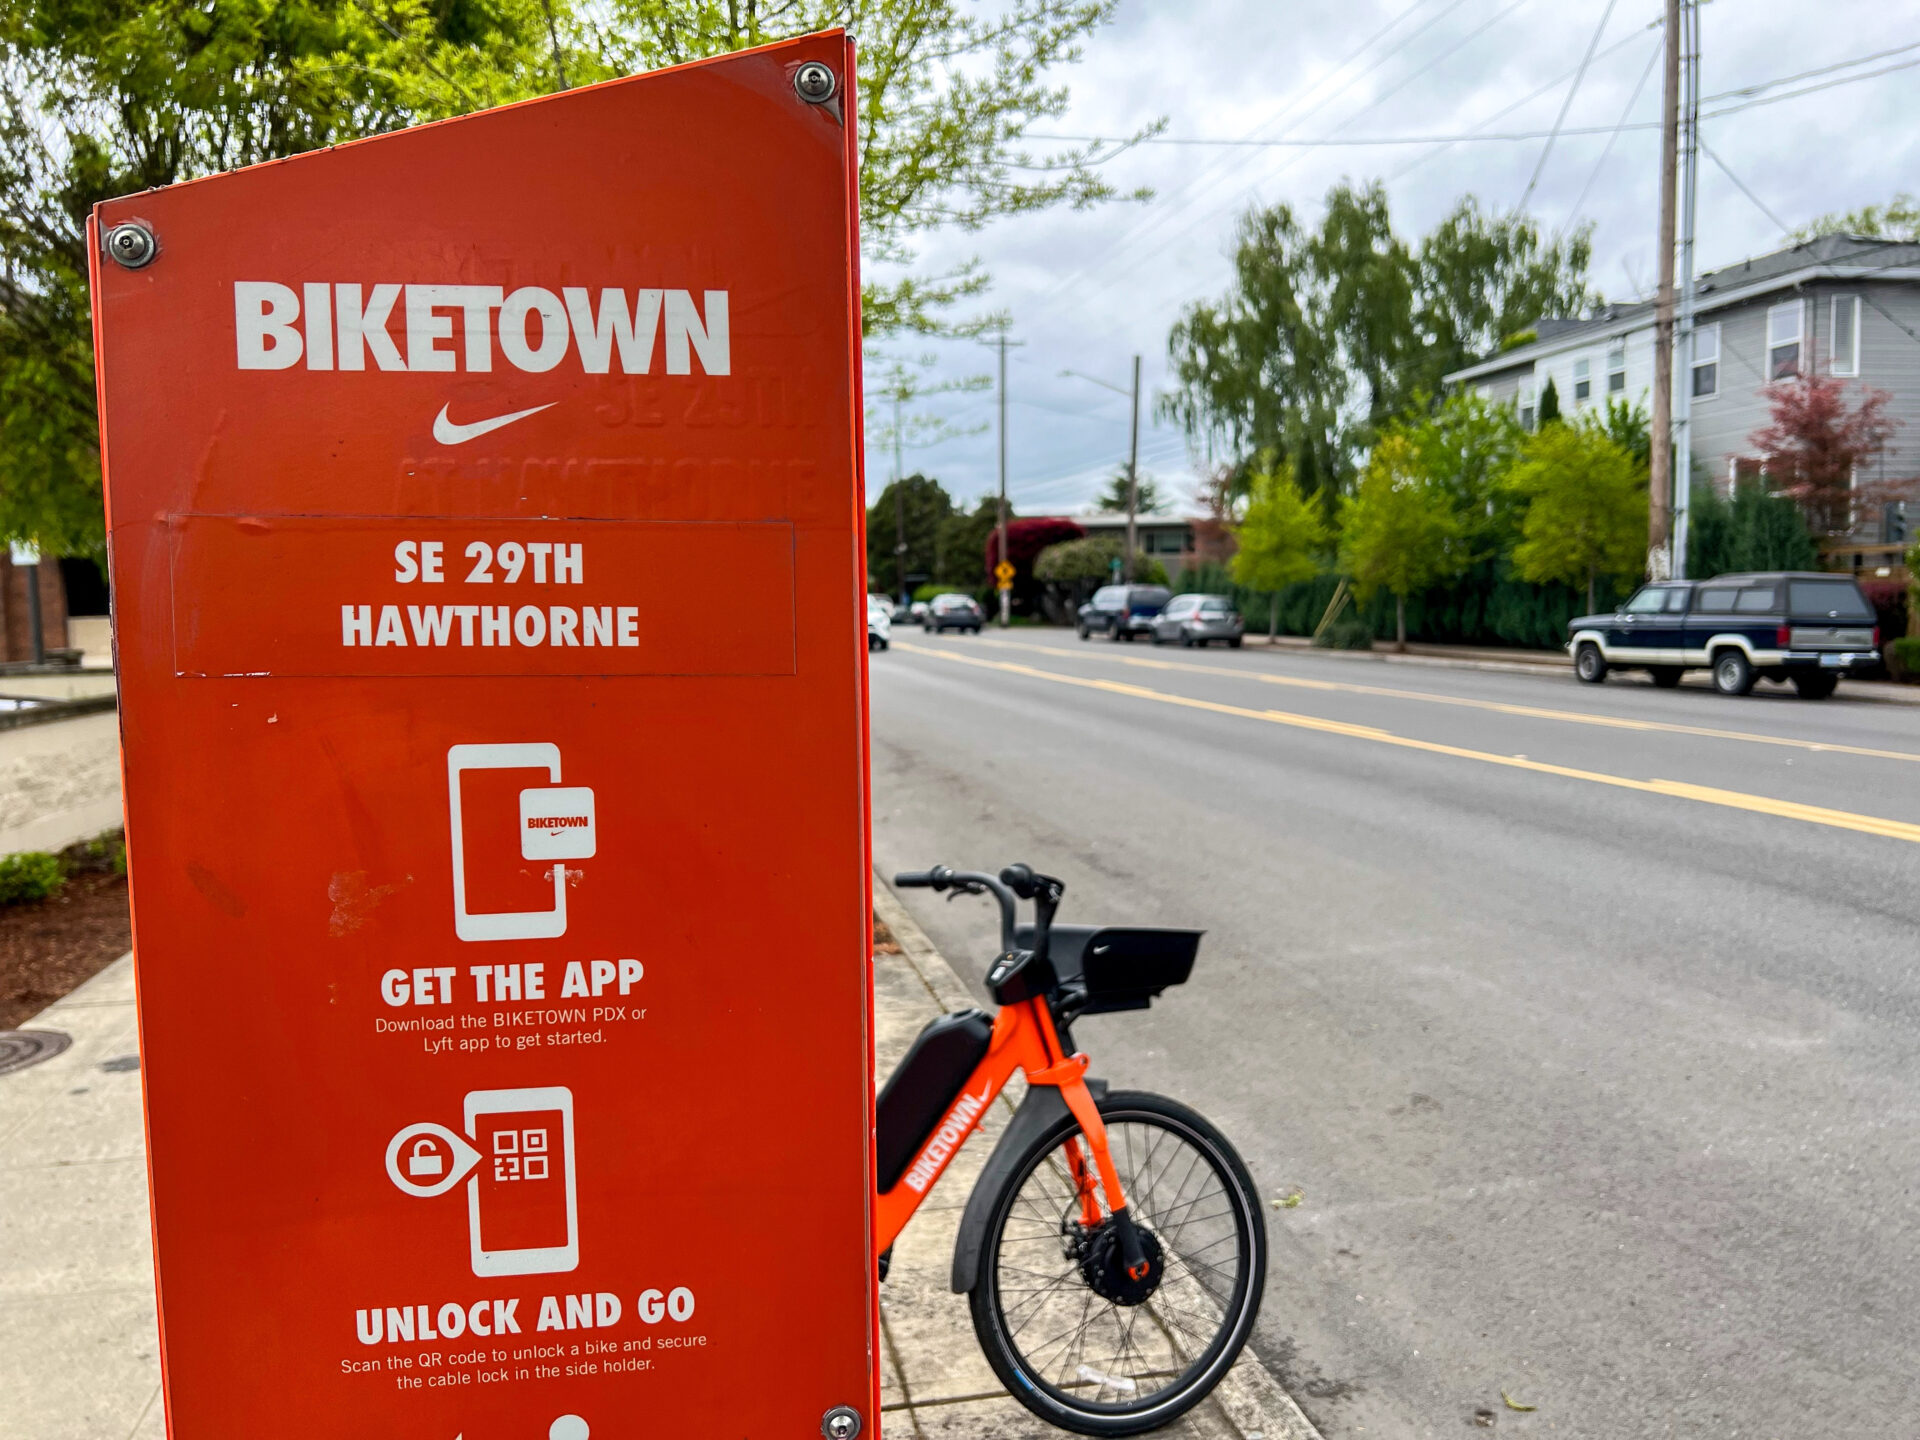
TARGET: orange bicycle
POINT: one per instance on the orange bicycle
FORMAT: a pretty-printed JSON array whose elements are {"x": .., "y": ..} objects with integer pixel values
[{"x": 1113, "y": 1249}]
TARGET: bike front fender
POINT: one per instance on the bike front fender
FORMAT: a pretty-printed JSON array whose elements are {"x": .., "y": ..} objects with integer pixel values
[{"x": 1039, "y": 1112}]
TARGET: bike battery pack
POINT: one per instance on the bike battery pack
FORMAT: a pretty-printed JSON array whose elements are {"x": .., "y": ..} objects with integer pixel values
[{"x": 922, "y": 1086}]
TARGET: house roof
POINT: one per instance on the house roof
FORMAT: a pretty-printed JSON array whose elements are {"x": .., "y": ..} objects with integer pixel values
[{"x": 1837, "y": 257}]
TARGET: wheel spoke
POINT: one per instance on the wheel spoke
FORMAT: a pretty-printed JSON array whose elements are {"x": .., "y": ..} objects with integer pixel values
[{"x": 1098, "y": 1356}]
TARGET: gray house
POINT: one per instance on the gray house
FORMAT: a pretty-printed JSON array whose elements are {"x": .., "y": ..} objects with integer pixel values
[{"x": 1846, "y": 304}]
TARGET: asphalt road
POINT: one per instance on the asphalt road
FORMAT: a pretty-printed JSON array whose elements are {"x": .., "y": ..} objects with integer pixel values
[{"x": 1585, "y": 1020}]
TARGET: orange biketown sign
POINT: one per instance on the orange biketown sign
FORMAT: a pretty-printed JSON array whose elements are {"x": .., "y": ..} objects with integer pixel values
[{"x": 485, "y": 508}]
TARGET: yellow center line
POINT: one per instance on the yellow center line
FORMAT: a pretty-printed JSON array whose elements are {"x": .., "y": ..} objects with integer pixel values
[
  {"x": 1533, "y": 712},
  {"x": 1704, "y": 794}
]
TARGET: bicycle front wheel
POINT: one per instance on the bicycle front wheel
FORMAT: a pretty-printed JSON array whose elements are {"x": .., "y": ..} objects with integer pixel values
[{"x": 1070, "y": 1335}]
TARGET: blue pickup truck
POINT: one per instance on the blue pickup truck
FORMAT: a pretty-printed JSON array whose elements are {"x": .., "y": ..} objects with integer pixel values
[{"x": 1810, "y": 629}]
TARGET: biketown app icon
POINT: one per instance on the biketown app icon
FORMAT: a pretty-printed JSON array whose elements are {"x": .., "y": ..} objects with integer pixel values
[{"x": 493, "y": 897}]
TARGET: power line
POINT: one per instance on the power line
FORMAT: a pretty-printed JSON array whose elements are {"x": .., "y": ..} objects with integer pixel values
[
  {"x": 1567, "y": 104},
  {"x": 1204, "y": 216},
  {"x": 1763, "y": 208},
  {"x": 1523, "y": 101},
  {"x": 1339, "y": 142},
  {"x": 1741, "y": 186},
  {"x": 1812, "y": 89},
  {"x": 1809, "y": 74},
  {"x": 1600, "y": 164}
]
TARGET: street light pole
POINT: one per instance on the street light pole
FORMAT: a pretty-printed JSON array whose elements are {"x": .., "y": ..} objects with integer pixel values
[
  {"x": 899, "y": 510},
  {"x": 1689, "y": 170},
  {"x": 1133, "y": 472},
  {"x": 1133, "y": 456}
]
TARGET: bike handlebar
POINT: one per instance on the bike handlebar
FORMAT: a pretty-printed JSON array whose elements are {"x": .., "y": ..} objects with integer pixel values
[{"x": 972, "y": 882}]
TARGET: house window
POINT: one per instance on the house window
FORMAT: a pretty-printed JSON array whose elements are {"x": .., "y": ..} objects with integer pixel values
[
  {"x": 1846, "y": 335},
  {"x": 1784, "y": 324},
  {"x": 1706, "y": 362},
  {"x": 1617, "y": 368},
  {"x": 1582, "y": 380},
  {"x": 1526, "y": 407}
]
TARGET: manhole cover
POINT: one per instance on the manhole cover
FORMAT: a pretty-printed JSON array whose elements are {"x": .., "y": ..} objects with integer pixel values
[{"x": 21, "y": 1048}]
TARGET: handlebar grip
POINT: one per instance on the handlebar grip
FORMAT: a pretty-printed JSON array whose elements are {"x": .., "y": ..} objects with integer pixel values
[{"x": 934, "y": 879}]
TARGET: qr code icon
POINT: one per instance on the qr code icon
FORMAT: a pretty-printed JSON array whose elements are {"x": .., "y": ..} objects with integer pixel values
[{"x": 520, "y": 1155}]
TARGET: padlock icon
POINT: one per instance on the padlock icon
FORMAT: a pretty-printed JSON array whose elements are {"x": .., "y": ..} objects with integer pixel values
[{"x": 425, "y": 1160}]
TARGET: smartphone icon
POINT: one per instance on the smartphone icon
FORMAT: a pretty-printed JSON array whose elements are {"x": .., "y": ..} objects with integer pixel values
[
  {"x": 554, "y": 824},
  {"x": 522, "y": 1217}
]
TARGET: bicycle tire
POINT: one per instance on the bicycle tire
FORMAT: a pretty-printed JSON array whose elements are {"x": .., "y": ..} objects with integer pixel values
[{"x": 1046, "y": 1383}]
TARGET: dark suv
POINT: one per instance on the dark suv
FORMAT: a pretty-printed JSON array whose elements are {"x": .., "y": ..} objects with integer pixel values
[
  {"x": 1121, "y": 612},
  {"x": 1805, "y": 627}
]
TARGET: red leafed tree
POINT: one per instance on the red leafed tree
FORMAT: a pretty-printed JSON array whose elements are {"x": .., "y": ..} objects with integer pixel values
[
  {"x": 1027, "y": 538},
  {"x": 1820, "y": 444}
]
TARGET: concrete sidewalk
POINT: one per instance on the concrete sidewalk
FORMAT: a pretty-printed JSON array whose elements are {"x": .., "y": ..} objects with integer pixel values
[
  {"x": 79, "y": 1349},
  {"x": 79, "y": 1344}
]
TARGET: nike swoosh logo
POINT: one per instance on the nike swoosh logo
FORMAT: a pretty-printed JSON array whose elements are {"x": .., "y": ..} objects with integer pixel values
[{"x": 448, "y": 433}]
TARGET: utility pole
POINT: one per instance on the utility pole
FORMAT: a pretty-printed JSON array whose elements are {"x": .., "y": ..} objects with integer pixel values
[
  {"x": 1660, "y": 469},
  {"x": 1133, "y": 457},
  {"x": 1133, "y": 470},
  {"x": 1689, "y": 170},
  {"x": 1006, "y": 596},
  {"x": 899, "y": 510}
]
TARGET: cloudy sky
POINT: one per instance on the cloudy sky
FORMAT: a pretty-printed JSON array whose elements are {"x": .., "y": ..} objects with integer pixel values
[{"x": 1088, "y": 290}]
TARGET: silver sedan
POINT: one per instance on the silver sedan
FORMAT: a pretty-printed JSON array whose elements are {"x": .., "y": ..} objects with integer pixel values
[{"x": 1198, "y": 620}]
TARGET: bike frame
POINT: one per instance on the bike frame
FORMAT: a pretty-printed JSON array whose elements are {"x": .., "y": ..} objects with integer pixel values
[{"x": 1024, "y": 1038}]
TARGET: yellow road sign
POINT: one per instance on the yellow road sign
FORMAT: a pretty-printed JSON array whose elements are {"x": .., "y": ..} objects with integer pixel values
[{"x": 1003, "y": 572}]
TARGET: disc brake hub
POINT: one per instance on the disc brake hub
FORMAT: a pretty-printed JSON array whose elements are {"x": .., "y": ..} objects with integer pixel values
[{"x": 1104, "y": 1268}]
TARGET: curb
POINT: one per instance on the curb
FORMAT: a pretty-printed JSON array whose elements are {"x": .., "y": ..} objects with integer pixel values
[
  {"x": 1873, "y": 692},
  {"x": 1249, "y": 1399}
]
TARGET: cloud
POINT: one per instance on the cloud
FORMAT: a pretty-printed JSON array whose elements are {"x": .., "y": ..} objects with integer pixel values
[{"x": 1088, "y": 290}]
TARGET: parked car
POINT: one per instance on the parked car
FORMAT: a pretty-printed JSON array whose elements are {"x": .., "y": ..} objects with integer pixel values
[
  {"x": 917, "y": 613},
  {"x": 1121, "y": 612},
  {"x": 879, "y": 623},
  {"x": 953, "y": 612},
  {"x": 1804, "y": 627},
  {"x": 1198, "y": 620}
]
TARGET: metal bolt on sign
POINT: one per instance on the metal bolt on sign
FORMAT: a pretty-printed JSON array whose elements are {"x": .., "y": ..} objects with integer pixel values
[
  {"x": 840, "y": 1423},
  {"x": 132, "y": 244},
  {"x": 815, "y": 83}
]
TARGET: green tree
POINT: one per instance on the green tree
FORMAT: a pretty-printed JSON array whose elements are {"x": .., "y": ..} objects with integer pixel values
[
  {"x": 1147, "y": 497},
  {"x": 1398, "y": 531},
  {"x": 1325, "y": 334},
  {"x": 1549, "y": 408},
  {"x": 1484, "y": 279},
  {"x": 960, "y": 560},
  {"x": 116, "y": 96},
  {"x": 1254, "y": 372},
  {"x": 1281, "y": 540},
  {"x": 1627, "y": 426},
  {"x": 1586, "y": 505},
  {"x": 104, "y": 99},
  {"x": 945, "y": 100},
  {"x": 927, "y": 507},
  {"x": 1464, "y": 448},
  {"x": 1750, "y": 529},
  {"x": 1898, "y": 219},
  {"x": 1093, "y": 560},
  {"x": 1364, "y": 277}
]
